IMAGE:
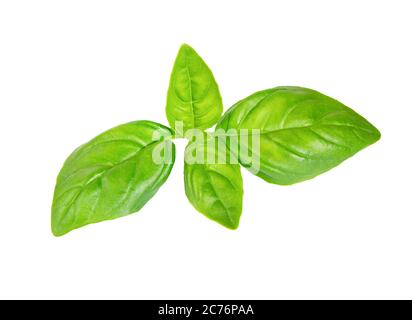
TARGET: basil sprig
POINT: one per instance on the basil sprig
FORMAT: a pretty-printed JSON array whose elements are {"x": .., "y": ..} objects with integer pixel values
[{"x": 299, "y": 133}]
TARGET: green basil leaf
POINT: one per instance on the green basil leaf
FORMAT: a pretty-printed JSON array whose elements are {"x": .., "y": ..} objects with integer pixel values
[
  {"x": 214, "y": 189},
  {"x": 111, "y": 176},
  {"x": 303, "y": 132},
  {"x": 193, "y": 96}
]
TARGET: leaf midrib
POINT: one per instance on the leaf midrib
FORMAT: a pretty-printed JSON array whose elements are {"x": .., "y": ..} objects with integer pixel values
[
  {"x": 292, "y": 128},
  {"x": 190, "y": 93}
]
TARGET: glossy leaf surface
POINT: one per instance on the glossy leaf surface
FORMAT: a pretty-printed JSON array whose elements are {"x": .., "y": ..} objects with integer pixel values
[
  {"x": 214, "y": 189},
  {"x": 111, "y": 176},
  {"x": 303, "y": 132},
  {"x": 193, "y": 96}
]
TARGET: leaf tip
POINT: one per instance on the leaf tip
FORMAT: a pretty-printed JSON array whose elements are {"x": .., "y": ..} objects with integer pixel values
[
  {"x": 375, "y": 135},
  {"x": 186, "y": 49},
  {"x": 57, "y": 228},
  {"x": 185, "y": 46},
  {"x": 233, "y": 226},
  {"x": 378, "y": 134},
  {"x": 231, "y": 223},
  {"x": 57, "y": 232}
]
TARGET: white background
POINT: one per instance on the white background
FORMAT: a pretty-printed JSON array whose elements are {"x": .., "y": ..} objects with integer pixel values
[{"x": 72, "y": 69}]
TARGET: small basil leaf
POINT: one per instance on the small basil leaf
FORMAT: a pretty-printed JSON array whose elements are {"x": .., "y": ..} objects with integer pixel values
[
  {"x": 303, "y": 132},
  {"x": 111, "y": 176},
  {"x": 193, "y": 96},
  {"x": 214, "y": 189}
]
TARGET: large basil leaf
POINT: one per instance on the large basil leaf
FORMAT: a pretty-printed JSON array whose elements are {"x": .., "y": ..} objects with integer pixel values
[
  {"x": 111, "y": 176},
  {"x": 303, "y": 132},
  {"x": 214, "y": 189},
  {"x": 193, "y": 96}
]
